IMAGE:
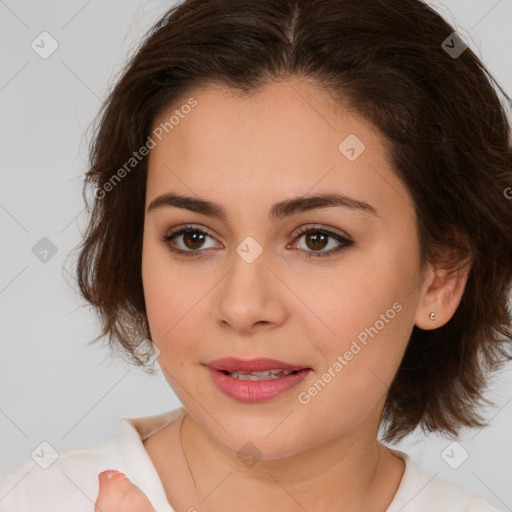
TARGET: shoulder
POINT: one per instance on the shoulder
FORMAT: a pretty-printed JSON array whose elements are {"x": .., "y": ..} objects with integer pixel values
[
  {"x": 52, "y": 479},
  {"x": 60, "y": 480},
  {"x": 420, "y": 491}
]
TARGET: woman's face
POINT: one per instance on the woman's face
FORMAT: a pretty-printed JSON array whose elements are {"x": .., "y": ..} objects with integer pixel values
[{"x": 250, "y": 286}]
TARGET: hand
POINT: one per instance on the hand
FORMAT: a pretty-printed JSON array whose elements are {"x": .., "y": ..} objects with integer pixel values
[{"x": 118, "y": 494}]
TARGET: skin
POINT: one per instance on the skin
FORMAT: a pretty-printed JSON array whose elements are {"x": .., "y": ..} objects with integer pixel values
[
  {"x": 118, "y": 494},
  {"x": 247, "y": 153}
]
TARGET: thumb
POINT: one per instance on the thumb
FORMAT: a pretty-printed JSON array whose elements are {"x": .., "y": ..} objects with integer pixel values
[{"x": 118, "y": 494}]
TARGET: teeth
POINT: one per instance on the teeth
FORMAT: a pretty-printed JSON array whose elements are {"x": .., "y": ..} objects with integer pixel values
[{"x": 265, "y": 375}]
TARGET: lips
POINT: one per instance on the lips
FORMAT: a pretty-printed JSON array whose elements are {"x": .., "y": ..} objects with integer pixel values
[{"x": 232, "y": 364}]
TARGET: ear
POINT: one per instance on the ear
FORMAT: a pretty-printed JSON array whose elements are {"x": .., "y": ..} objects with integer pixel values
[{"x": 441, "y": 294}]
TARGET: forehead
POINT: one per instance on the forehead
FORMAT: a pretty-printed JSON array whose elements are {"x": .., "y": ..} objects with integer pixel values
[{"x": 289, "y": 138}]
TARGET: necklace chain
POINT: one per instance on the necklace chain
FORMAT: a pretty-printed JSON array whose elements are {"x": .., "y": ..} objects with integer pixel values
[
  {"x": 186, "y": 459},
  {"x": 185, "y": 455}
]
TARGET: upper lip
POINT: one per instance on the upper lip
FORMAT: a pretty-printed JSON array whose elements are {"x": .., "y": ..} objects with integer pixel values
[{"x": 232, "y": 364}]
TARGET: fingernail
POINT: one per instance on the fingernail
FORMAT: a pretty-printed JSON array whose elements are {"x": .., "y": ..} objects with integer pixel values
[{"x": 109, "y": 473}]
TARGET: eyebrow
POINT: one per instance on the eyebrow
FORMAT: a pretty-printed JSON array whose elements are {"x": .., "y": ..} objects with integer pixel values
[{"x": 279, "y": 210}]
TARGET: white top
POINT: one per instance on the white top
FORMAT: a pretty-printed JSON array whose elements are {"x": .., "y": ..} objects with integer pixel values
[{"x": 69, "y": 481}]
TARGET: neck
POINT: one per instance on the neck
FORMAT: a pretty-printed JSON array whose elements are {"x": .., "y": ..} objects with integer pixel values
[{"x": 355, "y": 471}]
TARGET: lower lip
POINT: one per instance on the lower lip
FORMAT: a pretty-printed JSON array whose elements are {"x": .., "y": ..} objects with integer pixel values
[{"x": 256, "y": 390}]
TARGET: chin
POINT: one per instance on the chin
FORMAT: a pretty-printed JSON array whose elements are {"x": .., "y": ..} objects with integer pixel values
[
  {"x": 257, "y": 439},
  {"x": 255, "y": 448}
]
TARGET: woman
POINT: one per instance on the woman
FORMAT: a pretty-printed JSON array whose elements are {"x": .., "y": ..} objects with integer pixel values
[{"x": 302, "y": 205}]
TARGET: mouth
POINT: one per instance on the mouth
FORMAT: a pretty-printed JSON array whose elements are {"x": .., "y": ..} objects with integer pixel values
[
  {"x": 255, "y": 380},
  {"x": 259, "y": 367},
  {"x": 264, "y": 375}
]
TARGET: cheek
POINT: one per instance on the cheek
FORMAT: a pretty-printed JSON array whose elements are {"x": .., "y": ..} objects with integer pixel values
[
  {"x": 344, "y": 301},
  {"x": 367, "y": 315},
  {"x": 175, "y": 304},
  {"x": 358, "y": 364},
  {"x": 162, "y": 298}
]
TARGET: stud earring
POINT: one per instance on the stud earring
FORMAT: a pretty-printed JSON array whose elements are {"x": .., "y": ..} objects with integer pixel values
[{"x": 432, "y": 316}]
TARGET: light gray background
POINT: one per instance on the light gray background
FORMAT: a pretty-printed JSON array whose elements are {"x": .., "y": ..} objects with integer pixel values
[{"x": 54, "y": 387}]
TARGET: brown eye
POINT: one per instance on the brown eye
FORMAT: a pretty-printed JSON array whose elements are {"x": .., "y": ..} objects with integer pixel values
[
  {"x": 187, "y": 240},
  {"x": 193, "y": 239},
  {"x": 316, "y": 239}
]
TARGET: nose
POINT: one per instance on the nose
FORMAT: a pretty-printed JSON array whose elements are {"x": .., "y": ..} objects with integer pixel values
[{"x": 251, "y": 296}]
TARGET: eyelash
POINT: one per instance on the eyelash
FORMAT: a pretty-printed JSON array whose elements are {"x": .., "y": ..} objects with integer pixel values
[{"x": 345, "y": 242}]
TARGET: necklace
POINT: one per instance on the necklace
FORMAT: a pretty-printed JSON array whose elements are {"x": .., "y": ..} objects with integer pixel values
[
  {"x": 185, "y": 455},
  {"x": 203, "y": 505},
  {"x": 188, "y": 464}
]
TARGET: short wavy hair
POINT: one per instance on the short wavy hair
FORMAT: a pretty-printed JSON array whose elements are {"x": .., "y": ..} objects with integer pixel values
[{"x": 400, "y": 66}]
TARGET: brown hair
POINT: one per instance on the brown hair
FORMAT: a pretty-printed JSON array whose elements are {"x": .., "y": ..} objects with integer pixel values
[{"x": 448, "y": 139}]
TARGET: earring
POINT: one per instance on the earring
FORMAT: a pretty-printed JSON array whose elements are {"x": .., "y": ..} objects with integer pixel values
[{"x": 432, "y": 316}]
